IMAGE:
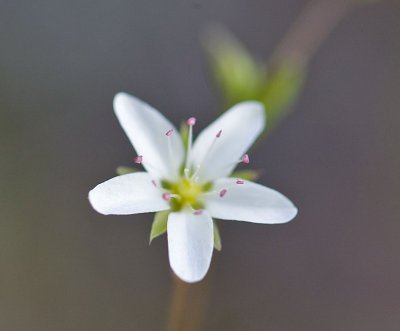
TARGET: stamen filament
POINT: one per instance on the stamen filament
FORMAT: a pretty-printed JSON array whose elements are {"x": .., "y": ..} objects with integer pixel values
[
  {"x": 244, "y": 159},
  {"x": 171, "y": 157},
  {"x": 209, "y": 151},
  {"x": 194, "y": 176},
  {"x": 222, "y": 192},
  {"x": 191, "y": 122},
  {"x": 151, "y": 168},
  {"x": 186, "y": 172}
]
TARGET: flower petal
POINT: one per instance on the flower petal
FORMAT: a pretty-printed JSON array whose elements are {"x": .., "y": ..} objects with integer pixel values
[
  {"x": 146, "y": 129},
  {"x": 240, "y": 127},
  {"x": 127, "y": 194},
  {"x": 190, "y": 244},
  {"x": 249, "y": 202}
]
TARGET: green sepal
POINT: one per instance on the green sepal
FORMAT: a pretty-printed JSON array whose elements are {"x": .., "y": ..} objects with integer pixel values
[
  {"x": 217, "y": 237},
  {"x": 247, "y": 174},
  {"x": 122, "y": 170},
  {"x": 159, "y": 225}
]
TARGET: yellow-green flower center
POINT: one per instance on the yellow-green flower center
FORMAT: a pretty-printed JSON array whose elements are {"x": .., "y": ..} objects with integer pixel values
[{"x": 186, "y": 193}]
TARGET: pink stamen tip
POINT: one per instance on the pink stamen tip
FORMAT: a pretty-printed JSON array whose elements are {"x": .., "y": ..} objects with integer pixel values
[
  {"x": 240, "y": 181},
  {"x": 222, "y": 193},
  {"x": 166, "y": 196},
  {"x": 245, "y": 158},
  {"x": 191, "y": 121},
  {"x": 169, "y": 132},
  {"x": 198, "y": 212},
  {"x": 154, "y": 182},
  {"x": 138, "y": 159},
  {"x": 219, "y": 133}
]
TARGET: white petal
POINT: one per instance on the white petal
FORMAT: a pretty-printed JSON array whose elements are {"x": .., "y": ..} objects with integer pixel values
[
  {"x": 240, "y": 127},
  {"x": 190, "y": 244},
  {"x": 146, "y": 128},
  {"x": 249, "y": 202},
  {"x": 127, "y": 194}
]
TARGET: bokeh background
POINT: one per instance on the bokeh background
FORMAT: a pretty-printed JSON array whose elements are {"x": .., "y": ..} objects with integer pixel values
[{"x": 65, "y": 267}]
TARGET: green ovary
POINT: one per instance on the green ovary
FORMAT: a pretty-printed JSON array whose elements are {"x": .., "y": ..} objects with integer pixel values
[{"x": 186, "y": 193}]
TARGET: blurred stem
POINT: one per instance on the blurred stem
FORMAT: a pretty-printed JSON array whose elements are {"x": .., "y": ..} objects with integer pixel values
[
  {"x": 187, "y": 305},
  {"x": 177, "y": 305},
  {"x": 311, "y": 27}
]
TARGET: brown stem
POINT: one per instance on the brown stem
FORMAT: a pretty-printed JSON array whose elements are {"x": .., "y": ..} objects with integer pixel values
[
  {"x": 187, "y": 306},
  {"x": 309, "y": 30},
  {"x": 178, "y": 302}
]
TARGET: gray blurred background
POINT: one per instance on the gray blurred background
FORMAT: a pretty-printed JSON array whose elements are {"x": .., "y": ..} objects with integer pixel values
[{"x": 65, "y": 267}]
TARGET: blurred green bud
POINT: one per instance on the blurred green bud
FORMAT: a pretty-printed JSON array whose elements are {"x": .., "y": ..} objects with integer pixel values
[
  {"x": 159, "y": 225},
  {"x": 122, "y": 170},
  {"x": 217, "y": 238},
  {"x": 280, "y": 90},
  {"x": 237, "y": 75}
]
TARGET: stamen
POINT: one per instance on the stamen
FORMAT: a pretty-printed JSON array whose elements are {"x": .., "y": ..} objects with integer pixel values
[
  {"x": 245, "y": 158},
  {"x": 198, "y": 212},
  {"x": 166, "y": 196},
  {"x": 186, "y": 173},
  {"x": 220, "y": 193},
  {"x": 239, "y": 181},
  {"x": 194, "y": 176},
  {"x": 138, "y": 159},
  {"x": 191, "y": 121},
  {"x": 171, "y": 155},
  {"x": 152, "y": 168},
  {"x": 154, "y": 183},
  {"x": 209, "y": 150}
]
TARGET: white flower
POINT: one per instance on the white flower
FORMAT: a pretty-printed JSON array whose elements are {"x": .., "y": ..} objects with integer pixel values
[{"x": 193, "y": 184}]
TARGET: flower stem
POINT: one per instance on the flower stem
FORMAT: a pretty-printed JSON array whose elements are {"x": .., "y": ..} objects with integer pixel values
[
  {"x": 312, "y": 26},
  {"x": 187, "y": 305}
]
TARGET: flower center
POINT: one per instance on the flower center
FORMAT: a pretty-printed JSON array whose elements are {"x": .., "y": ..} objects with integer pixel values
[
  {"x": 186, "y": 193},
  {"x": 187, "y": 190}
]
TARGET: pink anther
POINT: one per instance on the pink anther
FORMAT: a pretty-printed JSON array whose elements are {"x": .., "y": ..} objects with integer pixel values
[
  {"x": 219, "y": 133},
  {"x": 191, "y": 121},
  {"x": 198, "y": 212},
  {"x": 138, "y": 159},
  {"x": 222, "y": 193},
  {"x": 169, "y": 132},
  {"x": 154, "y": 182},
  {"x": 245, "y": 158},
  {"x": 166, "y": 196},
  {"x": 239, "y": 181}
]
